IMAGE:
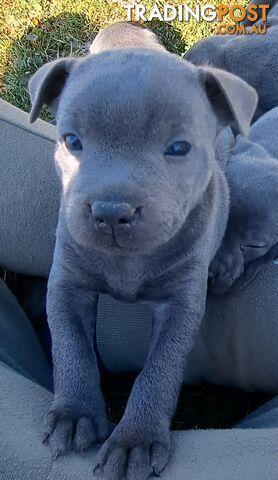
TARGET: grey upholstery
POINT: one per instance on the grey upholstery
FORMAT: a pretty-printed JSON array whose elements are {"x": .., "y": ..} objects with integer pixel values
[{"x": 29, "y": 193}]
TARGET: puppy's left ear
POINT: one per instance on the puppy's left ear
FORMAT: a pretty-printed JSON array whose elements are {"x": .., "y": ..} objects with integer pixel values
[
  {"x": 233, "y": 99},
  {"x": 46, "y": 85}
]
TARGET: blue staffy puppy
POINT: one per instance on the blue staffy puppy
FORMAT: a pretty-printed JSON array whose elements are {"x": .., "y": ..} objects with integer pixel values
[
  {"x": 143, "y": 211},
  {"x": 252, "y": 230}
]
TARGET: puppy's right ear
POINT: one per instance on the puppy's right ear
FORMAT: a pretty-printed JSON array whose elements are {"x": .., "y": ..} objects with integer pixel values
[{"x": 46, "y": 85}]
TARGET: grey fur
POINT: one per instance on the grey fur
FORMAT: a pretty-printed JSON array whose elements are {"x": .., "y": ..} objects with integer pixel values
[
  {"x": 125, "y": 35},
  {"x": 265, "y": 132},
  {"x": 125, "y": 117},
  {"x": 252, "y": 173},
  {"x": 254, "y": 58}
]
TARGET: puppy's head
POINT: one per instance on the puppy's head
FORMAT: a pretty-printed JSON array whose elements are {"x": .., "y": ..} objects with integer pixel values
[
  {"x": 125, "y": 35},
  {"x": 207, "y": 51},
  {"x": 136, "y": 141}
]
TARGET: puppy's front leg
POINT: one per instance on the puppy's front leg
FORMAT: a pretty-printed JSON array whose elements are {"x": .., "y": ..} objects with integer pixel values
[
  {"x": 77, "y": 414},
  {"x": 140, "y": 444}
]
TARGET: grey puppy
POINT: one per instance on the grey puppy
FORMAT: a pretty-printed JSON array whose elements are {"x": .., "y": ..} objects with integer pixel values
[
  {"x": 252, "y": 174},
  {"x": 254, "y": 58},
  {"x": 143, "y": 211}
]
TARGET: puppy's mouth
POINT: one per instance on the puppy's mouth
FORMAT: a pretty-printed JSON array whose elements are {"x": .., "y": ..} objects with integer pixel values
[
  {"x": 115, "y": 244},
  {"x": 113, "y": 240}
]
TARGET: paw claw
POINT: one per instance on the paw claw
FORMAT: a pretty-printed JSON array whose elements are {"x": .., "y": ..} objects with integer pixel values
[
  {"x": 155, "y": 473},
  {"x": 97, "y": 469},
  {"x": 45, "y": 437},
  {"x": 55, "y": 455},
  {"x": 49, "y": 425}
]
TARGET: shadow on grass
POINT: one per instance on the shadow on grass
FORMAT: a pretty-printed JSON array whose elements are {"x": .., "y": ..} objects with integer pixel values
[{"x": 170, "y": 36}]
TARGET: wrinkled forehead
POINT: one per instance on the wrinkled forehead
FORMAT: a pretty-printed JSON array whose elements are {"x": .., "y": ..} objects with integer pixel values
[{"x": 130, "y": 92}]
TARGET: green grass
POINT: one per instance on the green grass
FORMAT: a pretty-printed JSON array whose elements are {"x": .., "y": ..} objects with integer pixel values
[{"x": 33, "y": 32}]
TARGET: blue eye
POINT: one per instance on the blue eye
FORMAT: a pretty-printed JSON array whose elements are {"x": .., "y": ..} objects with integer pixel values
[
  {"x": 178, "y": 149},
  {"x": 73, "y": 143}
]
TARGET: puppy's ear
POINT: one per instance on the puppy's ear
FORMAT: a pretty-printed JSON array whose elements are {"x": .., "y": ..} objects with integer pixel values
[
  {"x": 46, "y": 85},
  {"x": 225, "y": 141},
  {"x": 234, "y": 100}
]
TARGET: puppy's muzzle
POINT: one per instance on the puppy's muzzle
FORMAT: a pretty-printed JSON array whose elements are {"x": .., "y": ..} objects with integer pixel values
[{"x": 114, "y": 218}]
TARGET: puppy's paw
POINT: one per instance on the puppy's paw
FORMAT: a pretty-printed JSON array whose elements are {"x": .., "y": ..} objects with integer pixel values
[
  {"x": 64, "y": 430},
  {"x": 224, "y": 271},
  {"x": 133, "y": 452}
]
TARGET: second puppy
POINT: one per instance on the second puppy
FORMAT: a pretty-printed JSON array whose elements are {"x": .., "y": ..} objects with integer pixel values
[{"x": 252, "y": 173}]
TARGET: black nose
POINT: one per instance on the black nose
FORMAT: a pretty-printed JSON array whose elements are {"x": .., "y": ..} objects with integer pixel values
[{"x": 109, "y": 216}]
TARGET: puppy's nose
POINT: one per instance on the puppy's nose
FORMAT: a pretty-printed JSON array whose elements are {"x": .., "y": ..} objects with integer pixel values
[{"x": 109, "y": 216}]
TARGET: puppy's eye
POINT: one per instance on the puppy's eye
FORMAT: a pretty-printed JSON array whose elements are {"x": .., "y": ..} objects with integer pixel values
[
  {"x": 178, "y": 149},
  {"x": 73, "y": 143}
]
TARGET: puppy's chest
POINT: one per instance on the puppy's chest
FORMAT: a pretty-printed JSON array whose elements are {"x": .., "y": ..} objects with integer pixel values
[
  {"x": 125, "y": 281},
  {"x": 132, "y": 282},
  {"x": 122, "y": 285},
  {"x": 127, "y": 290}
]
